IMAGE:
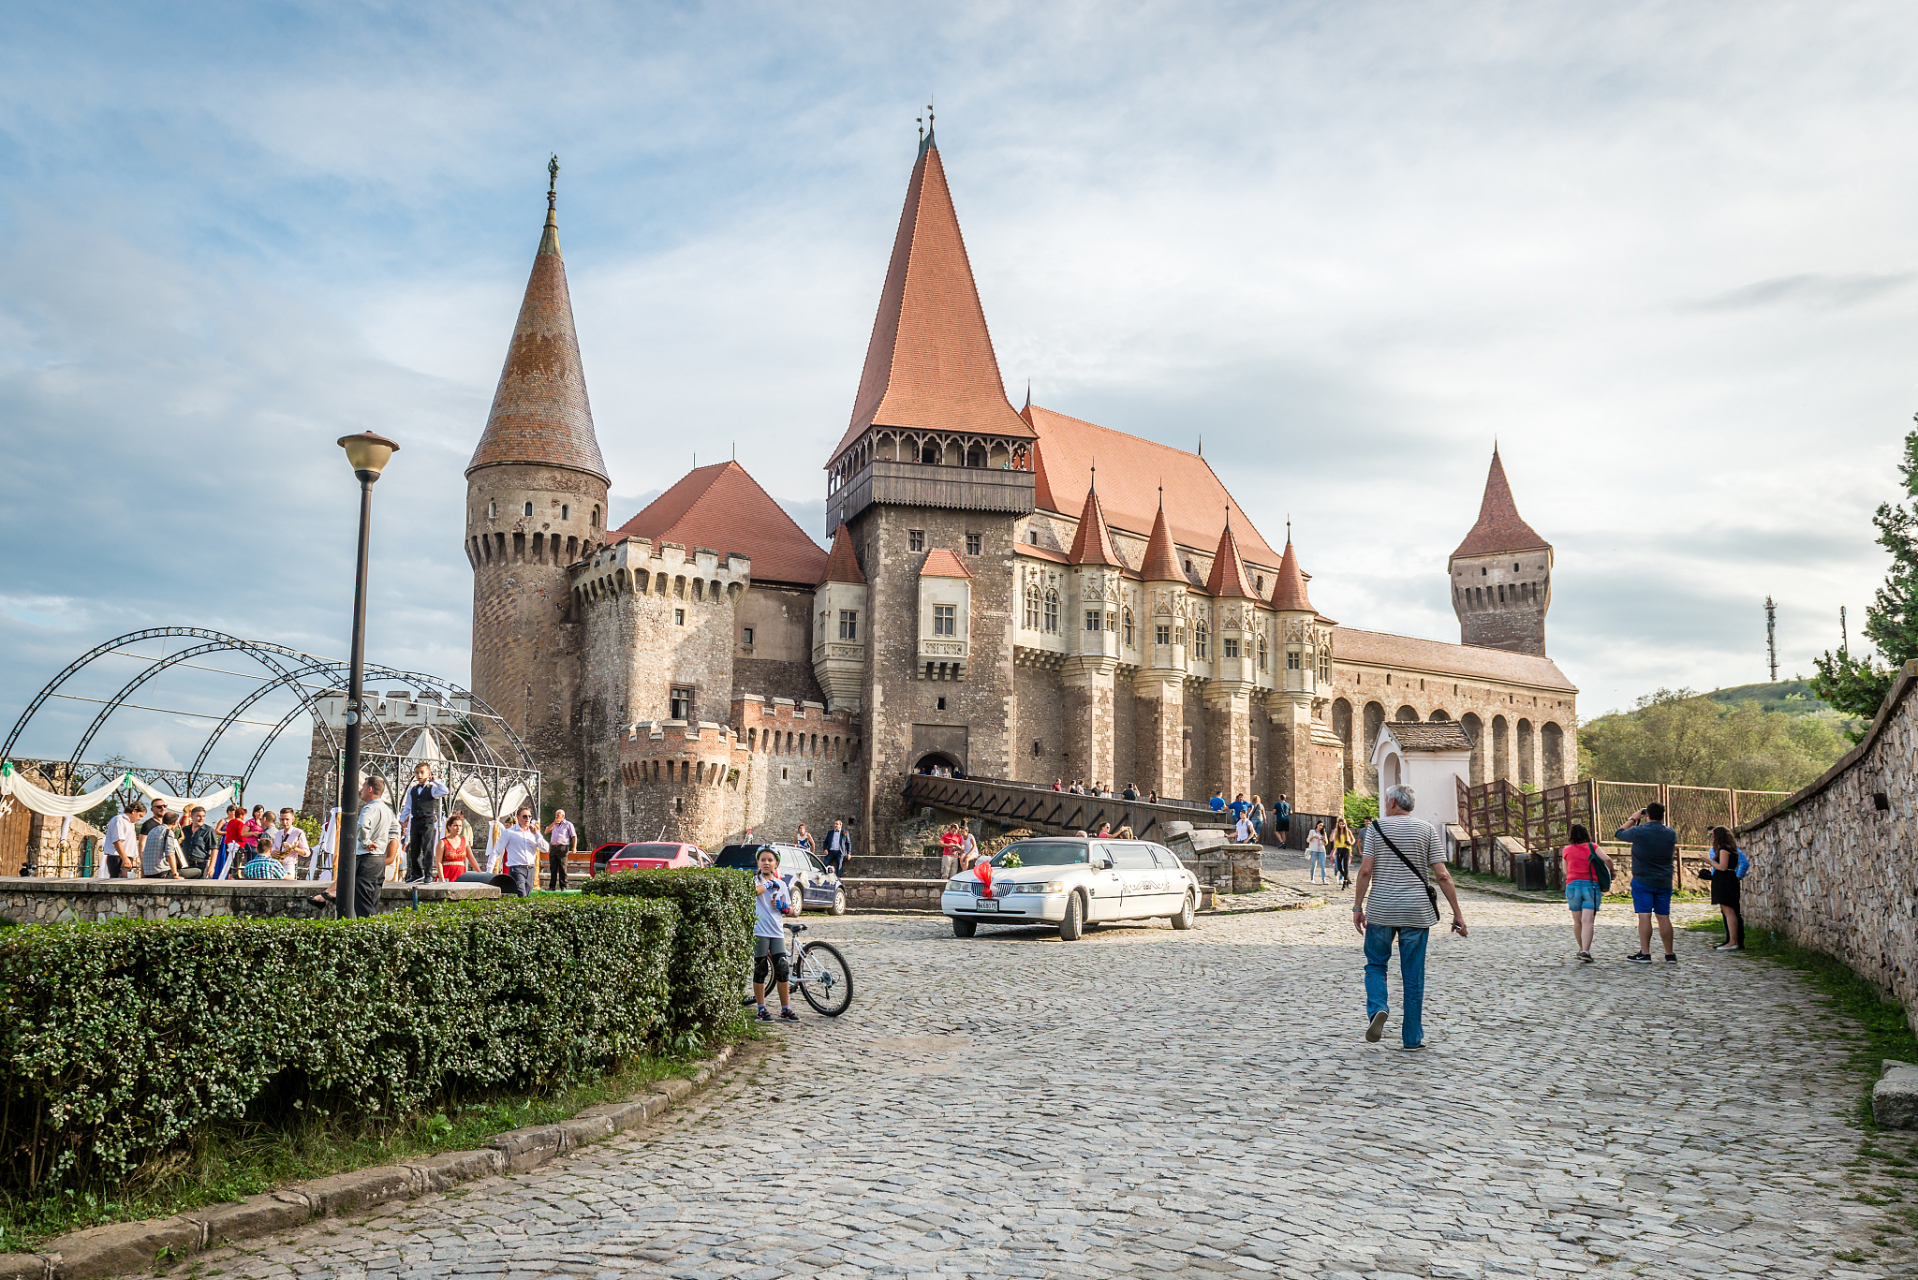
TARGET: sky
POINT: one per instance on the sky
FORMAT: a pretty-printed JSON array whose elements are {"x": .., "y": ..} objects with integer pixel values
[{"x": 1661, "y": 254}]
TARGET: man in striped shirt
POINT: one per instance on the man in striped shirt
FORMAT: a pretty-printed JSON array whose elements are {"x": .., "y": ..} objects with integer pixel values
[{"x": 1391, "y": 901}]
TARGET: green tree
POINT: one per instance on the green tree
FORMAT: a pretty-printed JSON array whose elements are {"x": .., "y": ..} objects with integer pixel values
[
  {"x": 1359, "y": 807},
  {"x": 1857, "y": 686},
  {"x": 1678, "y": 736}
]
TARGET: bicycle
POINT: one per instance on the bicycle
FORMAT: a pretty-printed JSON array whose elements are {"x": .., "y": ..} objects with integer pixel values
[{"x": 821, "y": 974}]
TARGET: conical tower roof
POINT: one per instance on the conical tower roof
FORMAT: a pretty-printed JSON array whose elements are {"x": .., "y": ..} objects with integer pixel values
[
  {"x": 1228, "y": 577},
  {"x": 1093, "y": 543},
  {"x": 1161, "y": 557},
  {"x": 540, "y": 414},
  {"x": 930, "y": 364},
  {"x": 1288, "y": 595},
  {"x": 843, "y": 564},
  {"x": 1499, "y": 527}
]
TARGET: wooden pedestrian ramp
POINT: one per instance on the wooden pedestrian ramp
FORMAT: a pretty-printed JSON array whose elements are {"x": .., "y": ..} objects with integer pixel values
[{"x": 1025, "y": 804}]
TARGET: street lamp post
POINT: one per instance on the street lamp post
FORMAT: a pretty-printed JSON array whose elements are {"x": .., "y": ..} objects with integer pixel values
[{"x": 367, "y": 453}]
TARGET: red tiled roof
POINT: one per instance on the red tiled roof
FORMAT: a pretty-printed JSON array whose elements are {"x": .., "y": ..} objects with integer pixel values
[
  {"x": 1228, "y": 570},
  {"x": 1499, "y": 526},
  {"x": 941, "y": 563},
  {"x": 843, "y": 564},
  {"x": 722, "y": 508},
  {"x": 1093, "y": 544},
  {"x": 1131, "y": 469},
  {"x": 1044, "y": 553},
  {"x": 540, "y": 413},
  {"x": 1161, "y": 557},
  {"x": 1289, "y": 592},
  {"x": 930, "y": 364},
  {"x": 1376, "y": 648}
]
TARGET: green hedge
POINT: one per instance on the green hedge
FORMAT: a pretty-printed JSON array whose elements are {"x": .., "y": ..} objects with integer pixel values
[
  {"x": 120, "y": 1040},
  {"x": 713, "y": 954}
]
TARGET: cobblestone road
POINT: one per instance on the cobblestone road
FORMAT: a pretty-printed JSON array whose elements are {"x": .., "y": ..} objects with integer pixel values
[{"x": 1150, "y": 1103}]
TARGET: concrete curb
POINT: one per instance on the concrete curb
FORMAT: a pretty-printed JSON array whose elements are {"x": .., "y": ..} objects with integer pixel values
[{"x": 121, "y": 1248}]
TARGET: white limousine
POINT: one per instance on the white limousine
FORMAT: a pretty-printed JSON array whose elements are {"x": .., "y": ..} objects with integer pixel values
[{"x": 1072, "y": 882}]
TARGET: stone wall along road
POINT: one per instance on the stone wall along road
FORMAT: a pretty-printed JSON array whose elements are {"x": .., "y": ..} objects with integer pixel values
[{"x": 1152, "y": 1103}]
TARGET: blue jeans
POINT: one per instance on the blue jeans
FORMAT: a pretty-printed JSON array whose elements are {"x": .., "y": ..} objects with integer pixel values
[
  {"x": 1378, "y": 953},
  {"x": 1318, "y": 866}
]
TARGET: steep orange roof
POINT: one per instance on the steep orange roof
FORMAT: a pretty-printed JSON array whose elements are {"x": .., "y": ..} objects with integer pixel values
[
  {"x": 540, "y": 414},
  {"x": 722, "y": 508},
  {"x": 941, "y": 563},
  {"x": 1228, "y": 570},
  {"x": 1499, "y": 527},
  {"x": 930, "y": 364},
  {"x": 1093, "y": 544},
  {"x": 1161, "y": 557},
  {"x": 1132, "y": 468},
  {"x": 843, "y": 564},
  {"x": 1288, "y": 593}
]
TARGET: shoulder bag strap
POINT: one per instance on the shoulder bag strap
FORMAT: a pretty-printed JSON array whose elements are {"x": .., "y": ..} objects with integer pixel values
[{"x": 1430, "y": 893}]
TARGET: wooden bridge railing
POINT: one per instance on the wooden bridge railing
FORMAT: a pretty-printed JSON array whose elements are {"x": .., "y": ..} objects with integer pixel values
[{"x": 1025, "y": 804}]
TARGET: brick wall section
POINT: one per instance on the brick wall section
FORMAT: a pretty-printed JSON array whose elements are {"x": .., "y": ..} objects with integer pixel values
[{"x": 1833, "y": 871}]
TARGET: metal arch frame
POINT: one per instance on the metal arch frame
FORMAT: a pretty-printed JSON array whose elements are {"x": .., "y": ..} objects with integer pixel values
[{"x": 284, "y": 674}]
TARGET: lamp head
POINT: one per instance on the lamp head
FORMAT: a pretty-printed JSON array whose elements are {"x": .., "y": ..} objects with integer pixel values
[{"x": 367, "y": 454}]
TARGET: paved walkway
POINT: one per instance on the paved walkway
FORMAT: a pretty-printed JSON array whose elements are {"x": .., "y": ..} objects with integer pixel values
[{"x": 1152, "y": 1103}]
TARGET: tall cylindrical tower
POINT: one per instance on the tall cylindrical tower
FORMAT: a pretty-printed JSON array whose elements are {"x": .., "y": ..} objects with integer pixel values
[{"x": 535, "y": 503}]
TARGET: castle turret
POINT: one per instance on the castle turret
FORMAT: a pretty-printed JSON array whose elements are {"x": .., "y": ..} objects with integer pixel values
[
  {"x": 1233, "y": 654},
  {"x": 535, "y": 503},
  {"x": 839, "y": 626},
  {"x": 1163, "y": 752},
  {"x": 1502, "y": 574},
  {"x": 1095, "y": 579}
]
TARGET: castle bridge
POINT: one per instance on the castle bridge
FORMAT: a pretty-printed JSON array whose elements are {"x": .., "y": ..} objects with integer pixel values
[{"x": 1024, "y": 804}]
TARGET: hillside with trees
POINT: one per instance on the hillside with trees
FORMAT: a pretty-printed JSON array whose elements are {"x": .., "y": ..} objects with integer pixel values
[{"x": 1775, "y": 737}]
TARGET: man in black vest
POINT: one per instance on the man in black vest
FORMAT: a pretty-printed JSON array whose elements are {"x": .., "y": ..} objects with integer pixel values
[{"x": 420, "y": 821}]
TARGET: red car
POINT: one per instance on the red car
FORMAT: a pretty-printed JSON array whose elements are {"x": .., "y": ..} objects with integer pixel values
[{"x": 656, "y": 855}]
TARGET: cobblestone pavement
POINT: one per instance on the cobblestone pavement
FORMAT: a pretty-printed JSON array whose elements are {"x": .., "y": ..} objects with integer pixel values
[{"x": 1152, "y": 1103}]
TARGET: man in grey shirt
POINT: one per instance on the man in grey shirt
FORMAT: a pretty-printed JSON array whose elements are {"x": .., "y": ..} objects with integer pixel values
[
  {"x": 378, "y": 834},
  {"x": 1391, "y": 901}
]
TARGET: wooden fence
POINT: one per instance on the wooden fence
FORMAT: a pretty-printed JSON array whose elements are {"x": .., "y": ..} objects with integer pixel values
[{"x": 1543, "y": 819}]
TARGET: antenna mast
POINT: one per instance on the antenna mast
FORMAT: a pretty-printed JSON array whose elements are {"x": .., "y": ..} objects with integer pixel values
[{"x": 1771, "y": 636}]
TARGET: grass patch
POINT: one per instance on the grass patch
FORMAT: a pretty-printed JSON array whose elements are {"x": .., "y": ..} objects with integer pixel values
[
  {"x": 1886, "y": 1029},
  {"x": 231, "y": 1162}
]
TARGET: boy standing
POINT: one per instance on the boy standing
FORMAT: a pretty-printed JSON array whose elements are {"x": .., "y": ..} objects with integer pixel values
[{"x": 771, "y": 900}]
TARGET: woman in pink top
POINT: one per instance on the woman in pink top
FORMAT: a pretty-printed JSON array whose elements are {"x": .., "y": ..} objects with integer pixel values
[{"x": 1581, "y": 887}]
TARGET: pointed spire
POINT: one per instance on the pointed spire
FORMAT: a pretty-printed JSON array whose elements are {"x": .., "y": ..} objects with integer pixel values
[
  {"x": 1093, "y": 543},
  {"x": 540, "y": 414},
  {"x": 1228, "y": 578},
  {"x": 1161, "y": 556},
  {"x": 843, "y": 564},
  {"x": 1288, "y": 594},
  {"x": 1499, "y": 528},
  {"x": 930, "y": 363}
]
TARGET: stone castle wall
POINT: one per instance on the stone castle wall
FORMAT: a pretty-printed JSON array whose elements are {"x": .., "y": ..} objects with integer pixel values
[
  {"x": 1501, "y": 599},
  {"x": 1832, "y": 868}
]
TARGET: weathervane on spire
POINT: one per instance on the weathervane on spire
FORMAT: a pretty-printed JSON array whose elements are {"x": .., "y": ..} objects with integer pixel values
[{"x": 552, "y": 181}]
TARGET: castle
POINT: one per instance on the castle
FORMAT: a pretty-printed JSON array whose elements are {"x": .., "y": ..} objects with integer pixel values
[{"x": 1009, "y": 592}]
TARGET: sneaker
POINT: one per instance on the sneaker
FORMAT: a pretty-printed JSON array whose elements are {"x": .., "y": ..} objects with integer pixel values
[
  {"x": 787, "y": 1015},
  {"x": 1585, "y": 957},
  {"x": 1413, "y": 1047},
  {"x": 1376, "y": 1027},
  {"x": 1670, "y": 958},
  {"x": 765, "y": 1014},
  {"x": 1638, "y": 958}
]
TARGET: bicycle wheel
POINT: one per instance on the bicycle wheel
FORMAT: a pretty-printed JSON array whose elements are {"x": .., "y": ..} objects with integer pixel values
[{"x": 824, "y": 978}]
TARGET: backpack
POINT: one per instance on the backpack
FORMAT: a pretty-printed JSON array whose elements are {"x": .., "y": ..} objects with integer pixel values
[
  {"x": 1600, "y": 872},
  {"x": 1744, "y": 864}
]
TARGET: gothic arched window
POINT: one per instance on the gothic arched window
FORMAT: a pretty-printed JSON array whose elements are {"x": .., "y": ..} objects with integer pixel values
[
  {"x": 1198, "y": 642},
  {"x": 1262, "y": 653},
  {"x": 1128, "y": 628},
  {"x": 1032, "y": 606},
  {"x": 1052, "y": 611}
]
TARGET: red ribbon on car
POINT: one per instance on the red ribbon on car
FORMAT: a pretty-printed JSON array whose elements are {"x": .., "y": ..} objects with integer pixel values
[{"x": 983, "y": 870}]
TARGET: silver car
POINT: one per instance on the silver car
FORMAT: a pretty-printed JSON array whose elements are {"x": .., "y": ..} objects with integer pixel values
[{"x": 1071, "y": 882}]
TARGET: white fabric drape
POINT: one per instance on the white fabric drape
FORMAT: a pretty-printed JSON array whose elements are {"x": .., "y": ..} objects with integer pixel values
[
  {"x": 474, "y": 797},
  {"x": 45, "y": 802},
  {"x": 180, "y": 804}
]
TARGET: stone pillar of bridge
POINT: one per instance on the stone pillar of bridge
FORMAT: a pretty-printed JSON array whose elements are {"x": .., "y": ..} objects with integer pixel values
[
  {"x": 1159, "y": 720},
  {"x": 1089, "y": 696}
]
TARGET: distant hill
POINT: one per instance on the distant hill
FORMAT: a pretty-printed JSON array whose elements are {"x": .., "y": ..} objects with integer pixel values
[{"x": 1793, "y": 697}]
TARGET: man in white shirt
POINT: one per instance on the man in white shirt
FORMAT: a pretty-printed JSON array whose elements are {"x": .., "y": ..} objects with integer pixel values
[
  {"x": 119, "y": 859},
  {"x": 523, "y": 844},
  {"x": 378, "y": 834},
  {"x": 289, "y": 842},
  {"x": 420, "y": 821}
]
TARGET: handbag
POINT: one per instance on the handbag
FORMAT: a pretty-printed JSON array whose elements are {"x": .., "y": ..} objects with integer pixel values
[
  {"x": 1431, "y": 894},
  {"x": 1601, "y": 873}
]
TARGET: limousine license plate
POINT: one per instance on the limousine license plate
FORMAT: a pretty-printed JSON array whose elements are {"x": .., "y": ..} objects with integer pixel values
[{"x": 985, "y": 904}]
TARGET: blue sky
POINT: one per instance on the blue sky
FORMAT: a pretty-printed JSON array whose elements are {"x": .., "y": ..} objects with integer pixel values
[{"x": 1663, "y": 254}]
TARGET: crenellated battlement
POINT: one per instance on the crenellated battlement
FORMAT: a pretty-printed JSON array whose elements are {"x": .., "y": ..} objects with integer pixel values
[{"x": 667, "y": 570}]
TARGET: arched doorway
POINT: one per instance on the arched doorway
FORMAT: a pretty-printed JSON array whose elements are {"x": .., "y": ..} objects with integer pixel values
[{"x": 933, "y": 761}]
